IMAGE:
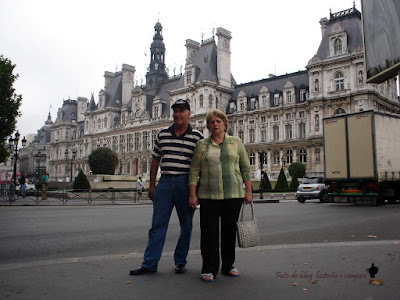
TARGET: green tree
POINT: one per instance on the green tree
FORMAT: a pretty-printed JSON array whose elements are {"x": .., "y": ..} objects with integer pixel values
[
  {"x": 103, "y": 161},
  {"x": 294, "y": 184},
  {"x": 266, "y": 184},
  {"x": 81, "y": 182},
  {"x": 282, "y": 183},
  {"x": 297, "y": 169},
  {"x": 9, "y": 104}
]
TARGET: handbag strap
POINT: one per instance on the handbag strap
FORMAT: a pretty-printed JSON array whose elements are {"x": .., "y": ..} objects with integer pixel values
[{"x": 252, "y": 211}]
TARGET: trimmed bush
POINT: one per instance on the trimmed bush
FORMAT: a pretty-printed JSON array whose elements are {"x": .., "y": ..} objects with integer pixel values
[
  {"x": 297, "y": 169},
  {"x": 265, "y": 183},
  {"x": 81, "y": 182},
  {"x": 282, "y": 183},
  {"x": 103, "y": 161},
  {"x": 294, "y": 184}
]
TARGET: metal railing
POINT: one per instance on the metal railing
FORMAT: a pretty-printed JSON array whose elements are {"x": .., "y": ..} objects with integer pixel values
[{"x": 64, "y": 196}]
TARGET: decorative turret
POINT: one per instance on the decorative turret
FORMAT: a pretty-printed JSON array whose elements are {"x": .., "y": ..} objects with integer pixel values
[{"x": 156, "y": 74}]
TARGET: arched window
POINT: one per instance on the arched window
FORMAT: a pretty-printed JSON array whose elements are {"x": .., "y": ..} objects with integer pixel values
[
  {"x": 210, "y": 101},
  {"x": 339, "y": 111},
  {"x": 303, "y": 155},
  {"x": 201, "y": 100},
  {"x": 338, "y": 47},
  {"x": 105, "y": 122},
  {"x": 98, "y": 123},
  {"x": 339, "y": 81},
  {"x": 252, "y": 158},
  {"x": 275, "y": 156}
]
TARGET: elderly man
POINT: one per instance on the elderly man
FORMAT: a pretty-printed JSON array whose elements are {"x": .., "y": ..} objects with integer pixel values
[{"x": 174, "y": 149}]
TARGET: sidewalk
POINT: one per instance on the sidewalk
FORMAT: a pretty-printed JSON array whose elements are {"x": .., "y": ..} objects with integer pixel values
[{"x": 306, "y": 271}]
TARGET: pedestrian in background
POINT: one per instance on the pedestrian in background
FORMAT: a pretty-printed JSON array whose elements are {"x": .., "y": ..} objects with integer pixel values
[
  {"x": 220, "y": 165},
  {"x": 139, "y": 187},
  {"x": 45, "y": 182},
  {"x": 22, "y": 185},
  {"x": 173, "y": 150}
]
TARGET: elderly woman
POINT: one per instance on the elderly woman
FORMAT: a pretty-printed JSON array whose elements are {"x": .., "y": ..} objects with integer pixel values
[{"x": 221, "y": 164}]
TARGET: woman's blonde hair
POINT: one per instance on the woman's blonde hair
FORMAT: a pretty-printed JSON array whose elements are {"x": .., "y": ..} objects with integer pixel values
[{"x": 219, "y": 114}]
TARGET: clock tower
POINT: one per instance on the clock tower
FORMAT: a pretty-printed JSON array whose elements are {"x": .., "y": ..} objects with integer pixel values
[{"x": 156, "y": 74}]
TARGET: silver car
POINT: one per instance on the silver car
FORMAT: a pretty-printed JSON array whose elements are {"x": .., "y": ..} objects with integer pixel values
[{"x": 312, "y": 188}]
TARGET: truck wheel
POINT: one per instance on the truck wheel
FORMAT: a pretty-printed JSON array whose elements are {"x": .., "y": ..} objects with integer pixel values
[
  {"x": 323, "y": 198},
  {"x": 301, "y": 200}
]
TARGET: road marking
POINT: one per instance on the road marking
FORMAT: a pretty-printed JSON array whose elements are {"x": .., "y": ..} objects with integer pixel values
[{"x": 139, "y": 255}]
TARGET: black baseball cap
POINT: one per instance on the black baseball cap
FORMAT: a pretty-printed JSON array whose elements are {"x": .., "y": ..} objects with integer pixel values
[{"x": 182, "y": 103}]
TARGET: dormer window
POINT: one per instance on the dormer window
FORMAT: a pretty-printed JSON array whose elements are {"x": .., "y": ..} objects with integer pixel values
[
  {"x": 338, "y": 46},
  {"x": 289, "y": 97},
  {"x": 303, "y": 94},
  {"x": 276, "y": 99}
]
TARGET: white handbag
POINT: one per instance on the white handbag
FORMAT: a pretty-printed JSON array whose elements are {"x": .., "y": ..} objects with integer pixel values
[{"x": 247, "y": 231}]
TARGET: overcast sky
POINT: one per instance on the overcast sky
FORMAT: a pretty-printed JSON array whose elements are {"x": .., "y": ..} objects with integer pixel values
[{"x": 62, "y": 48}]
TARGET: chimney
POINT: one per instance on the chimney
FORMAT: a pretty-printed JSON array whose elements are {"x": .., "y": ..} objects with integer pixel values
[{"x": 324, "y": 24}]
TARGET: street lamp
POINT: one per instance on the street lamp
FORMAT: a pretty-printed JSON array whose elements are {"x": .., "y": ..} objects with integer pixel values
[
  {"x": 262, "y": 159},
  {"x": 39, "y": 155},
  {"x": 13, "y": 145},
  {"x": 72, "y": 159}
]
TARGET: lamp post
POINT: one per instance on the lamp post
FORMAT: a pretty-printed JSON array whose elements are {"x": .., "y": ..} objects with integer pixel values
[
  {"x": 38, "y": 157},
  {"x": 71, "y": 161},
  {"x": 13, "y": 145},
  {"x": 262, "y": 158},
  {"x": 283, "y": 164}
]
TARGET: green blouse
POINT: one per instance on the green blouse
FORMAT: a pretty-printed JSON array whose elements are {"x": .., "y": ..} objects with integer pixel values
[{"x": 221, "y": 169}]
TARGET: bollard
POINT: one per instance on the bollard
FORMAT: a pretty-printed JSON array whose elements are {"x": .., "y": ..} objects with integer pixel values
[
  {"x": 284, "y": 196},
  {"x": 272, "y": 196}
]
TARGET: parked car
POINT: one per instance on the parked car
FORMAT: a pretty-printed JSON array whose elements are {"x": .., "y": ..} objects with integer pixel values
[
  {"x": 29, "y": 187},
  {"x": 312, "y": 188}
]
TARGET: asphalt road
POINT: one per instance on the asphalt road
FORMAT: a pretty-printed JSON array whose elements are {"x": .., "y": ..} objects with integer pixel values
[{"x": 57, "y": 232}]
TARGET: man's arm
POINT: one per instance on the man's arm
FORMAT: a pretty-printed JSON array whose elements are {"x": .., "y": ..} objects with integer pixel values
[{"x": 155, "y": 162}]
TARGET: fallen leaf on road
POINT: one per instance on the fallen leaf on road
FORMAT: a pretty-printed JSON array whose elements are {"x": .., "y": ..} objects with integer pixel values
[
  {"x": 295, "y": 284},
  {"x": 128, "y": 282},
  {"x": 305, "y": 264},
  {"x": 314, "y": 281},
  {"x": 395, "y": 243},
  {"x": 372, "y": 236},
  {"x": 304, "y": 290},
  {"x": 353, "y": 236},
  {"x": 376, "y": 282}
]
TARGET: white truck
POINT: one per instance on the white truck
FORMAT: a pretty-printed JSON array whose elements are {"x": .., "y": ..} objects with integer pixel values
[{"x": 362, "y": 157}]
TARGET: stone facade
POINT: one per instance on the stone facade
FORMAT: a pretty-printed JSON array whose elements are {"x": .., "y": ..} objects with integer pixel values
[{"x": 280, "y": 115}]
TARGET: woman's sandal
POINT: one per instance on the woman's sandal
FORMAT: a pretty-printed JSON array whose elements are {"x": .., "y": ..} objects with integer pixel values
[
  {"x": 232, "y": 272},
  {"x": 207, "y": 277}
]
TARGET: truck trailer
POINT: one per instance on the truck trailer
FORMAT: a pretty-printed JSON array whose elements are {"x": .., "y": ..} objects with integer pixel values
[{"x": 362, "y": 157}]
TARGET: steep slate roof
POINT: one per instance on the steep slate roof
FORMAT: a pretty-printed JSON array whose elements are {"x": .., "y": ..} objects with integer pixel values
[
  {"x": 68, "y": 111},
  {"x": 114, "y": 92},
  {"x": 164, "y": 90},
  {"x": 44, "y": 133},
  {"x": 273, "y": 84},
  {"x": 92, "y": 105},
  {"x": 351, "y": 23},
  {"x": 206, "y": 60}
]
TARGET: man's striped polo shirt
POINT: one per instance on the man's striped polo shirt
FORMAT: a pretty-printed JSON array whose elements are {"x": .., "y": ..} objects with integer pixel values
[{"x": 176, "y": 152}]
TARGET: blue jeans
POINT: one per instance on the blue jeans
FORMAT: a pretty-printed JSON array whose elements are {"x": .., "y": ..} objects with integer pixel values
[
  {"x": 171, "y": 191},
  {"x": 23, "y": 189}
]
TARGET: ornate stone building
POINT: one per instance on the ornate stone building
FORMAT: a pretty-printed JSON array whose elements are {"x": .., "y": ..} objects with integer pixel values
[{"x": 280, "y": 115}]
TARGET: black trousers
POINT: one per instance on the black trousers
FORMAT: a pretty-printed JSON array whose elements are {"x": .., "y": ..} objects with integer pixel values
[{"x": 211, "y": 211}]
